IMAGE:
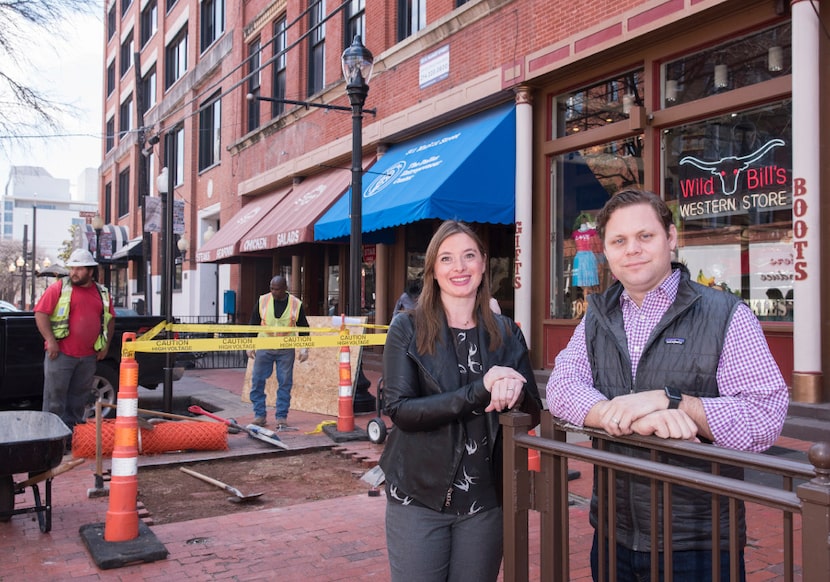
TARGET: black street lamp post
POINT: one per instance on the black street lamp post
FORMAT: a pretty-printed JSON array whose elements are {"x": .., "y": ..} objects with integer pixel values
[
  {"x": 357, "y": 69},
  {"x": 165, "y": 188},
  {"x": 357, "y": 64}
]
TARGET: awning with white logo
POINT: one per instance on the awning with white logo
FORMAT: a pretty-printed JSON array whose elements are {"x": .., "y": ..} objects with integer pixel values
[
  {"x": 291, "y": 222},
  {"x": 464, "y": 171},
  {"x": 227, "y": 241}
]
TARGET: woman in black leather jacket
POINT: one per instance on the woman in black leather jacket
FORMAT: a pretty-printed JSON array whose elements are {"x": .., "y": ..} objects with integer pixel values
[{"x": 449, "y": 368}]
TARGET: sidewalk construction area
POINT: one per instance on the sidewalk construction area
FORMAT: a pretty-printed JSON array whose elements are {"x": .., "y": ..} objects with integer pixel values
[{"x": 328, "y": 540}]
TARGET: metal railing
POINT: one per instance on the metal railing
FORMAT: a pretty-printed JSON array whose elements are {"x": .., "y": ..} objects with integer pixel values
[
  {"x": 212, "y": 360},
  {"x": 803, "y": 497}
]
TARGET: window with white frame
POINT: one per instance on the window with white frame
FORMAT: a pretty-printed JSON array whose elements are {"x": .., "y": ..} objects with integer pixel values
[
  {"x": 178, "y": 157},
  {"x": 213, "y": 22},
  {"x": 175, "y": 58},
  {"x": 125, "y": 117},
  {"x": 210, "y": 129},
  {"x": 124, "y": 192},
  {"x": 316, "y": 46},
  {"x": 147, "y": 90},
  {"x": 127, "y": 50},
  {"x": 279, "y": 67},
  {"x": 412, "y": 17},
  {"x": 149, "y": 21},
  {"x": 355, "y": 15},
  {"x": 254, "y": 83}
]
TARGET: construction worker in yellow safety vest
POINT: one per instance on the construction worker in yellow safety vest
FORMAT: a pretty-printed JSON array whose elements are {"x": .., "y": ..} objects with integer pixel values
[
  {"x": 276, "y": 309},
  {"x": 76, "y": 317}
]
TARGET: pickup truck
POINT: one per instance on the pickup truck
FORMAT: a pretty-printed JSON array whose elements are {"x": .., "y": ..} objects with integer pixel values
[{"x": 21, "y": 361}]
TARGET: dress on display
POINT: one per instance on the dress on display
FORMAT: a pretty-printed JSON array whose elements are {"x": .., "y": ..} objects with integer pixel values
[{"x": 585, "y": 261}]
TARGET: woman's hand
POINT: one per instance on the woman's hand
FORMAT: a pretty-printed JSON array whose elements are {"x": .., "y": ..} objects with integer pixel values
[{"x": 505, "y": 387}]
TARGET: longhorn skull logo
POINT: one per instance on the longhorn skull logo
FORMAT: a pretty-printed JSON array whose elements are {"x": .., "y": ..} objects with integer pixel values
[{"x": 729, "y": 169}]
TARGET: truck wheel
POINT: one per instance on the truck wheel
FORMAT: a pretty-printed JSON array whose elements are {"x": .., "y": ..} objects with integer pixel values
[{"x": 105, "y": 389}]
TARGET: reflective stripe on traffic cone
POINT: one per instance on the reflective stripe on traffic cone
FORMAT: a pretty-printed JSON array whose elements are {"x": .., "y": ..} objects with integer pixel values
[
  {"x": 345, "y": 407},
  {"x": 122, "y": 516}
]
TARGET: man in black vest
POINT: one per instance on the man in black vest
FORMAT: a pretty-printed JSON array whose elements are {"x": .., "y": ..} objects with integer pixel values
[{"x": 658, "y": 354}]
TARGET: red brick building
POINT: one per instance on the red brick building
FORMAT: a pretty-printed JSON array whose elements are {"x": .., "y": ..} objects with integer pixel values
[{"x": 555, "y": 106}]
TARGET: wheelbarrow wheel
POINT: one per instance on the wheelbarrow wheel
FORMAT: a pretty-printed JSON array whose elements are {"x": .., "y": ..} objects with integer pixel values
[
  {"x": 6, "y": 497},
  {"x": 376, "y": 430}
]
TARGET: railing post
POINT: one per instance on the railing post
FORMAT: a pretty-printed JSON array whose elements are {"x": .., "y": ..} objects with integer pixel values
[
  {"x": 553, "y": 505},
  {"x": 815, "y": 516},
  {"x": 516, "y": 482}
]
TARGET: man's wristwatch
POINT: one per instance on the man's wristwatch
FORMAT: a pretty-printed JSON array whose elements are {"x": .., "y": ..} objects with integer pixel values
[{"x": 674, "y": 395}]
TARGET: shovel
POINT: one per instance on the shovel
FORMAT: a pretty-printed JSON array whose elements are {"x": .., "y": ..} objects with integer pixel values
[{"x": 239, "y": 496}]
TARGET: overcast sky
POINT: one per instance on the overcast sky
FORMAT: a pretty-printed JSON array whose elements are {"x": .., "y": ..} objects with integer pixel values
[{"x": 70, "y": 72}]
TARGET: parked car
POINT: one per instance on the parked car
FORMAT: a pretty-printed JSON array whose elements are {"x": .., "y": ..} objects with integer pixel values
[{"x": 5, "y": 306}]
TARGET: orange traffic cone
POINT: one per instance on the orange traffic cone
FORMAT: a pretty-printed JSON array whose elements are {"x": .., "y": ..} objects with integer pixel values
[
  {"x": 534, "y": 460},
  {"x": 121, "y": 523},
  {"x": 345, "y": 407}
]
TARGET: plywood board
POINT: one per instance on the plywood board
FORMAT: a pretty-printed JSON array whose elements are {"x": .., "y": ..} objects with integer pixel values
[{"x": 317, "y": 380}]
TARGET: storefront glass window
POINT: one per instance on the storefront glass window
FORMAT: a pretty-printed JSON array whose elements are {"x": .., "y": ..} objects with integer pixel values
[
  {"x": 597, "y": 105},
  {"x": 583, "y": 181},
  {"x": 738, "y": 63},
  {"x": 728, "y": 180}
]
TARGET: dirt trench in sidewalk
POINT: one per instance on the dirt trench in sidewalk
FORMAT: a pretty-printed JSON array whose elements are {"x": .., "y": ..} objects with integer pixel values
[{"x": 170, "y": 495}]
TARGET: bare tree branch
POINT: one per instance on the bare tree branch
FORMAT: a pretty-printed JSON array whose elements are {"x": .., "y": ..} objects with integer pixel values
[{"x": 26, "y": 111}]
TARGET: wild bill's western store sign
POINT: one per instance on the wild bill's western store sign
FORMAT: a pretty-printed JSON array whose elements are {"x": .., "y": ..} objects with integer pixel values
[{"x": 733, "y": 185}]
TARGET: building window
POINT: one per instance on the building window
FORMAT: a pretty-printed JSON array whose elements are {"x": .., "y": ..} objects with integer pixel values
[
  {"x": 170, "y": 4},
  {"x": 316, "y": 46},
  {"x": 125, "y": 6},
  {"x": 254, "y": 80},
  {"x": 728, "y": 180},
  {"x": 125, "y": 117},
  {"x": 213, "y": 22},
  {"x": 355, "y": 15},
  {"x": 111, "y": 22},
  {"x": 210, "y": 129},
  {"x": 280, "y": 45},
  {"x": 111, "y": 78},
  {"x": 412, "y": 17},
  {"x": 147, "y": 90},
  {"x": 108, "y": 202},
  {"x": 584, "y": 178},
  {"x": 110, "y": 137},
  {"x": 124, "y": 193},
  {"x": 178, "y": 157},
  {"x": 149, "y": 21},
  {"x": 175, "y": 59},
  {"x": 127, "y": 53},
  {"x": 738, "y": 63}
]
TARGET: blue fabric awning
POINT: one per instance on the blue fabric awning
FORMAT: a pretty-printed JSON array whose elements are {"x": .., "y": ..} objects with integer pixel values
[{"x": 464, "y": 171}]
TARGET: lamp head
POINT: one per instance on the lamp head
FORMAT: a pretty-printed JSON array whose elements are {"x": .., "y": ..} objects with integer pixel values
[
  {"x": 161, "y": 181},
  {"x": 357, "y": 63},
  {"x": 97, "y": 222}
]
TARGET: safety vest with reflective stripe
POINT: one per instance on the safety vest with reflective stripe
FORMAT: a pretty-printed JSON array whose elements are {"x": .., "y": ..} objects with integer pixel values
[
  {"x": 60, "y": 315},
  {"x": 269, "y": 318}
]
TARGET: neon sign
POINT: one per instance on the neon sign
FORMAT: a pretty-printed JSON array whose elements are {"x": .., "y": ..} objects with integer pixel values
[{"x": 729, "y": 170}]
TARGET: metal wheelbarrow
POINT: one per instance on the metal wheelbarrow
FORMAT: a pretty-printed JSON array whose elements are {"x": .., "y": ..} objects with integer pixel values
[{"x": 31, "y": 442}]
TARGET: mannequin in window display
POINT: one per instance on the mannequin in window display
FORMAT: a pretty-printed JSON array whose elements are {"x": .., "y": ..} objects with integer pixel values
[{"x": 585, "y": 268}]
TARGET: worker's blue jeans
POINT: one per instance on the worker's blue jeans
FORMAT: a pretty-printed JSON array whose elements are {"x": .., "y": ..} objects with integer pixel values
[{"x": 263, "y": 368}]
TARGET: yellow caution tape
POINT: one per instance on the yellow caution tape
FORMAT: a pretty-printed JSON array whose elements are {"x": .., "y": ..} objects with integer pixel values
[
  {"x": 226, "y": 338},
  {"x": 320, "y": 426}
]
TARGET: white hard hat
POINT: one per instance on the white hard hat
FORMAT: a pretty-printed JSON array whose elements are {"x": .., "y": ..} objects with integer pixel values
[{"x": 81, "y": 258}]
